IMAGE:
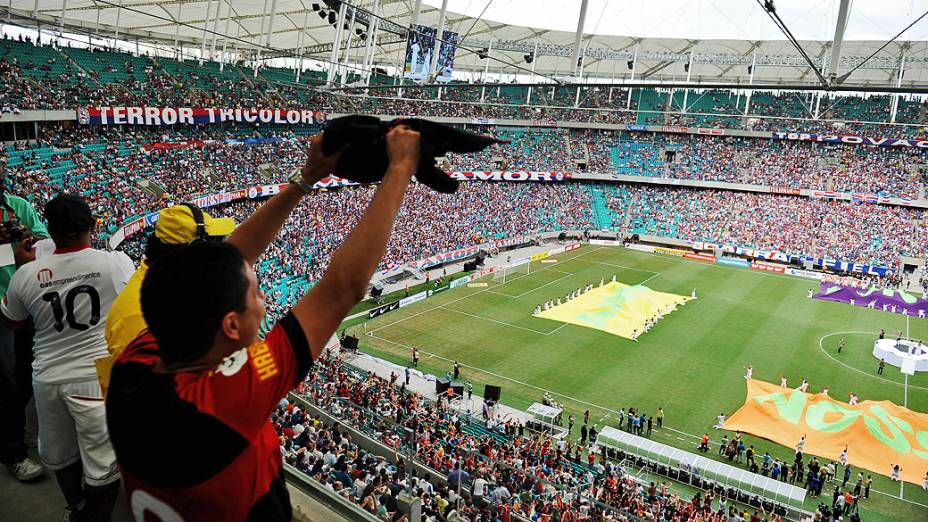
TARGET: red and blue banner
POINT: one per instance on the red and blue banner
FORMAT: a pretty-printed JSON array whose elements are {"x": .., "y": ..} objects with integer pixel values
[
  {"x": 851, "y": 140},
  {"x": 195, "y": 115}
]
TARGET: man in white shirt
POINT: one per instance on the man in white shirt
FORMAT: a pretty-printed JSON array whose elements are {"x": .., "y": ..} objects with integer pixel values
[
  {"x": 68, "y": 295},
  {"x": 480, "y": 489}
]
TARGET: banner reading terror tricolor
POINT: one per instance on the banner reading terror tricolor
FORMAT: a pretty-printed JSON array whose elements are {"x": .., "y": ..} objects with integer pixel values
[
  {"x": 195, "y": 115},
  {"x": 878, "y": 434}
]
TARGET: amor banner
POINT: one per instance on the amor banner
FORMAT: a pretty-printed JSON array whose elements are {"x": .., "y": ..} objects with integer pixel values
[{"x": 877, "y": 434}]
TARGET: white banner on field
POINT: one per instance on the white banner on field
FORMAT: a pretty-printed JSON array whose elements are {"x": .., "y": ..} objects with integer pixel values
[
  {"x": 460, "y": 282},
  {"x": 414, "y": 298},
  {"x": 642, "y": 248},
  {"x": 605, "y": 242},
  {"x": 806, "y": 273}
]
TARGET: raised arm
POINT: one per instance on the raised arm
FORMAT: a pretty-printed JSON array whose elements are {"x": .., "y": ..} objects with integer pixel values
[
  {"x": 254, "y": 235},
  {"x": 345, "y": 281}
]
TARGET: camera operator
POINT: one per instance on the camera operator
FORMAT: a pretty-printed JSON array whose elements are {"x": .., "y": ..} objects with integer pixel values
[{"x": 18, "y": 220}]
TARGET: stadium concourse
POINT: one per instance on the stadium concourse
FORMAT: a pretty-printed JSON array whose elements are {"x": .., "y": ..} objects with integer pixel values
[{"x": 822, "y": 183}]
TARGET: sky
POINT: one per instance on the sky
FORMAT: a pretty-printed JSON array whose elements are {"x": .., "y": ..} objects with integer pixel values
[{"x": 705, "y": 19}]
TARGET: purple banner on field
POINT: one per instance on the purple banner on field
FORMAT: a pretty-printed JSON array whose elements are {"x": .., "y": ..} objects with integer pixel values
[{"x": 895, "y": 301}]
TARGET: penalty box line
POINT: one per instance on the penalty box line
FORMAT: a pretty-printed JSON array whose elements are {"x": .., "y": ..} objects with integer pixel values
[
  {"x": 417, "y": 314},
  {"x": 603, "y": 408}
]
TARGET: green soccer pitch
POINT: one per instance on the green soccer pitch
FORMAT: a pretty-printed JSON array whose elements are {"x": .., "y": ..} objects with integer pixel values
[{"x": 692, "y": 363}]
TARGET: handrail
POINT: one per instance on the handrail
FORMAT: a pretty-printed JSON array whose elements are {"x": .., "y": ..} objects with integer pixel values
[{"x": 330, "y": 499}]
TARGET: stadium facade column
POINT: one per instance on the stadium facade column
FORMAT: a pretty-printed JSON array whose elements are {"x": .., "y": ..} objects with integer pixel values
[
  {"x": 64, "y": 7},
  {"x": 486, "y": 70},
  {"x": 840, "y": 26},
  {"x": 260, "y": 34},
  {"x": 370, "y": 46},
  {"x": 612, "y": 81},
  {"x": 177, "y": 48},
  {"x": 747, "y": 100},
  {"x": 212, "y": 45},
  {"x": 439, "y": 36},
  {"x": 118, "y": 17},
  {"x": 209, "y": 5},
  {"x": 344, "y": 69},
  {"x": 689, "y": 72},
  {"x": 270, "y": 23},
  {"x": 895, "y": 102},
  {"x": 578, "y": 38},
  {"x": 528, "y": 97},
  {"x": 298, "y": 64},
  {"x": 225, "y": 34},
  {"x": 417, "y": 8},
  {"x": 336, "y": 43},
  {"x": 628, "y": 103}
]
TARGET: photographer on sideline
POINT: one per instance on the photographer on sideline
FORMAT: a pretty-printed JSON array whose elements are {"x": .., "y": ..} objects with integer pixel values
[
  {"x": 18, "y": 220},
  {"x": 190, "y": 399}
]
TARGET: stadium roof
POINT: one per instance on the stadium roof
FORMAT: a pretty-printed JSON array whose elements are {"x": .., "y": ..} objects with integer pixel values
[{"x": 715, "y": 36}]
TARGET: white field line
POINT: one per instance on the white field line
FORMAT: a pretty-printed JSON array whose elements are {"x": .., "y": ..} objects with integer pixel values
[
  {"x": 623, "y": 266},
  {"x": 471, "y": 295},
  {"x": 821, "y": 346},
  {"x": 468, "y": 314}
]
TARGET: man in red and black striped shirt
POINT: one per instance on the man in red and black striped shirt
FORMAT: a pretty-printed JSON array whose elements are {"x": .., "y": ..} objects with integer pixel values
[{"x": 189, "y": 399}]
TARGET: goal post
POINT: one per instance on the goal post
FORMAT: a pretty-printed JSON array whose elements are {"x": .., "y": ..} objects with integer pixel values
[{"x": 508, "y": 272}]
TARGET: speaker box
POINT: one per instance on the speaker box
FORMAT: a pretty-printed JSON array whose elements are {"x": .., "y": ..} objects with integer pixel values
[
  {"x": 470, "y": 266},
  {"x": 458, "y": 388},
  {"x": 491, "y": 393},
  {"x": 350, "y": 343},
  {"x": 442, "y": 385}
]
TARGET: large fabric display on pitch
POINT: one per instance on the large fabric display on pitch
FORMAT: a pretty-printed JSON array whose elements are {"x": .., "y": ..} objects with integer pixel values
[
  {"x": 877, "y": 434},
  {"x": 615, "y": 308},
  {"x": 886, "y": 299}
]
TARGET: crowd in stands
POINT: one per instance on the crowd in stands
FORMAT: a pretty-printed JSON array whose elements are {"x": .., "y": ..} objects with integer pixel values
[
  {"x": 870, "y": 234},
  {"x": 111, "y": 165},
  {"x": 475, "y": 473},
  {"x": 54, "y": 75}
]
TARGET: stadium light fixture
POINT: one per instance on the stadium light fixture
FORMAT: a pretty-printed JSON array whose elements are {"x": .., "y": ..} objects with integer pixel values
[
  {"x": 630, "y": 64},
  {"x": 529, "y": 58},
  {"x": 483, "y": 54}
]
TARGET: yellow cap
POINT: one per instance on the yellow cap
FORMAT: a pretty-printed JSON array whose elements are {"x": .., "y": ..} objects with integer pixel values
[{"x": 177, "y": 226}]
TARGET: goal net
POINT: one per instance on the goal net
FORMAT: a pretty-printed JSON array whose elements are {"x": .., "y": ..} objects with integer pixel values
[{"x": 516, "y": 269}]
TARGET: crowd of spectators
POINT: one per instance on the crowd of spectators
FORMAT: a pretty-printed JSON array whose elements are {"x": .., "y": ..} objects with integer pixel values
[
  {"x": 474, "y": 473},
  {"x": 864, "y": 233},
  {"x": 112, "y": 165},
  {"x": 52, "y": 75}
]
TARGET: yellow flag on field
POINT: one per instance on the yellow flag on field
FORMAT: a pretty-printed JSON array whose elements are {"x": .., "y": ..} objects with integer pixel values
[{"x": 615, "y": 308}]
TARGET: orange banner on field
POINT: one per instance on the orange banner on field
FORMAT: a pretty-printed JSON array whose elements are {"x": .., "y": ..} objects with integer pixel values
[{"x": 877, "y": 434}]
